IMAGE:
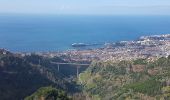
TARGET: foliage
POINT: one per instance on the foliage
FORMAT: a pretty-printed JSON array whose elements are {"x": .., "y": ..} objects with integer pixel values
[
  {"x": 124, "y": 80},
  {"x": 149, "y": 87},
  {"x": 21, "y": 76},
  {"x": 119, "y": 81},
  {"x": 48, "y": 93},
  {"x": 140, "y": 62}
]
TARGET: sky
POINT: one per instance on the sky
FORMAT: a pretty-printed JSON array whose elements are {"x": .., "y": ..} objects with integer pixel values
[{"x": 89, "y": 7}]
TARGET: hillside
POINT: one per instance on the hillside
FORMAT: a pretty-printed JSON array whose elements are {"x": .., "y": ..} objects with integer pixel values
[
  {"x": 48, "y": 93},
  {"x": 127, "y": 80},
  {"x": 21, "y": 76},
  {"x": 33, "y": 76}
]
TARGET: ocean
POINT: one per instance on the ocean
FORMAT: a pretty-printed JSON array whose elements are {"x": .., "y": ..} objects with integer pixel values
[{"x": 32, "y": 33}]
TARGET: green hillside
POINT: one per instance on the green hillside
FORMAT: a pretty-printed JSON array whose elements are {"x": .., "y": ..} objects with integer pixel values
[
  {"x": 34, "y": 77},
  {"x": 48, "y": 93},
  {"x": 127, "y": 80},
  {"x": 21, "y": 76}
]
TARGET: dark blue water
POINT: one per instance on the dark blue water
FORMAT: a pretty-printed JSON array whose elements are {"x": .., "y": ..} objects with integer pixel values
[{"x": 51, "y": 33}]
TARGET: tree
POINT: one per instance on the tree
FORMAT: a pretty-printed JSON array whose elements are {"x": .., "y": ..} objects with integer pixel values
[{"x": 48, "y": 93}]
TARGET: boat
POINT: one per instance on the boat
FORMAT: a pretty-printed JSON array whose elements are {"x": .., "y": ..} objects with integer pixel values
[{"x": 79, "y": 45}]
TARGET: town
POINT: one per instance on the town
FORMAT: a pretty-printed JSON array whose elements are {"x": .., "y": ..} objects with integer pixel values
[{"x": 146, "y": 47}]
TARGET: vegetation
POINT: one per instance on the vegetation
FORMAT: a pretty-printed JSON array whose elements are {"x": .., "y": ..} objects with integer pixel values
[
  {"x": 149, "y": 87},
  {"x": 139, "y": 79},
  {"x": 48, "y": 93},
  {"x": 125, "y": 80},
  {"x": 21, "y": 76}
]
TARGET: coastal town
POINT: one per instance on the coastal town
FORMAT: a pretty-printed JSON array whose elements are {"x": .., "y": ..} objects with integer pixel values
[{"x": 147, "y": 47}]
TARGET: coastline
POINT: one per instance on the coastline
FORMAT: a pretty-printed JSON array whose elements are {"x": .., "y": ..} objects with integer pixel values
[
  {"x": 31, "y": 33},
  {"x": 145, "y": 47}
]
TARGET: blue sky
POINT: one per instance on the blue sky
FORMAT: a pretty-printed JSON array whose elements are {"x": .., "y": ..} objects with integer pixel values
[{"x": 89, "y": 7}]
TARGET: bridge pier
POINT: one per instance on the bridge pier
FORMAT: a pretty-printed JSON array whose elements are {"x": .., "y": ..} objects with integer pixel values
[
  {"x": 58, "y": 67},
  {"x": 39, "y": 62},
  {"x": 78, "y": 71}
]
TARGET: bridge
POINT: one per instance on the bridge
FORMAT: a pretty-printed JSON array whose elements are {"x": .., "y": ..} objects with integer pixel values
[{"x": 78, "y": 65}]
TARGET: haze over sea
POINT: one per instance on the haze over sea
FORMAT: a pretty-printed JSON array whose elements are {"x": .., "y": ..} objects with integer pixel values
[{"x": 52, "y": 33}]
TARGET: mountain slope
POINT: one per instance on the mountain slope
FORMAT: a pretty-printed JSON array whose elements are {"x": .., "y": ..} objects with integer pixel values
[
  {"x": 139, "y": 79},
  {"x": 48, "y": 93},
  {"x": 21, "y": 76}
]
